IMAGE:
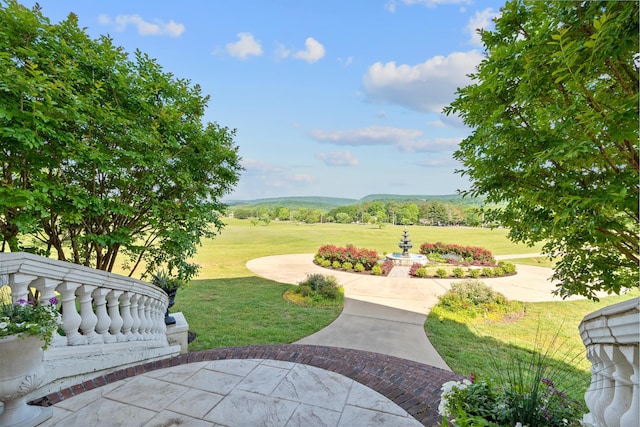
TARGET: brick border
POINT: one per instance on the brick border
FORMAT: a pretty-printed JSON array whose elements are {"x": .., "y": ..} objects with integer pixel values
[{"x": 413, "y": 386}]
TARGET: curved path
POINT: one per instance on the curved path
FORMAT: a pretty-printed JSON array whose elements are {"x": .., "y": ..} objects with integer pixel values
[{"x": 386, "y": 314}]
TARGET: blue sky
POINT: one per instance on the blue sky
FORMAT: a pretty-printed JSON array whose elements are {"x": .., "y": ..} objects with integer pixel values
[{"x": 329, "y": 98}]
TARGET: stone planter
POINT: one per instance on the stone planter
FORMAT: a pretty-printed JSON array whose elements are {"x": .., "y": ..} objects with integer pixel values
[{"x": 21, "y": 371}]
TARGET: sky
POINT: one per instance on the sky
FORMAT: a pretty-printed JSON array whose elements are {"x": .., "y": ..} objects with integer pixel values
[{"x": 329, "y": 98}]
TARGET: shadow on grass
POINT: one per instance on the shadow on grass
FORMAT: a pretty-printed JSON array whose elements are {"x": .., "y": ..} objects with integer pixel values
[
  {"x": 466, "y": 351},
  {"x": 246, "y": 311}
]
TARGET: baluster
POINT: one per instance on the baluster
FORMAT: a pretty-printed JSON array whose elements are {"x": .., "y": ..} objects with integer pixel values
[
  {"x": 161, "y": 328},
  {"x": 89, "y": 318},
  {"x": 591, "y": 395},
  {"x": 148, "y": 311},
  {"x": 104, "y": 321},
  {"x": 127, "y": 319},
  {"x": 136, "y": 319},
  {"x": 114, "y": 313},
  {"x": 70, "y": 317},
  {"x": 47, "y": 288},
  {"x": 630, "y": 418},
  {"x": 605, "y": 391},
  {"x": 19, "y": 284},
  {"x": 142, "y": 302},
  {"x": 621, "y": 381}
]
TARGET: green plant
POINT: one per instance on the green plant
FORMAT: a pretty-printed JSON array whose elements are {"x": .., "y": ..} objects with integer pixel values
[
  {"x": 165, "y": 281},
  {"x": 441, "y": 272},
  {"x": 336, "y": 264},
  {"x": 523, "y": 394},
  {"x": 318, "y": 286},
  {"x": 458, "y": 272},
  {"x": 498, "y": 271},
  {"x": 474, "y": 273},
  {"x": 359, "y": 267},
  {"x": 475, "y": 298},
  {"x": 376, "y": 270},
  {"x": 347, "y": 265},
  {"x": 508, "y": 267},
  {"x": 487, "y": 272},
  {"x": 29, "y": 318},
  {"x": 420, "y": 272}
]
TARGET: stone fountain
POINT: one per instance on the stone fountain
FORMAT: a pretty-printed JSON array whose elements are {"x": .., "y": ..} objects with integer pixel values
[{"x": 405, "y": 258}]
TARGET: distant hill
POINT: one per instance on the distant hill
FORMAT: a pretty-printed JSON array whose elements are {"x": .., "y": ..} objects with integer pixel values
[
  {"x": 296, "y": 202},
  {"x": 312, "y": 202}
]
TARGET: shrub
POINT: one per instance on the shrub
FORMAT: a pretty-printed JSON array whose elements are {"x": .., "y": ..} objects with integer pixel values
[
  {"x": 458, "y": 272},
  {"x": 325, "y": 263},
  {"x": 508, "y": 267},
  {"x": 498, "y": 271},
  {"x": 368, "y": 258},
  {"x": 467, "y": 253},
  {"x": 347, "y": 265},
  {"x": 474, "y": 297},
  {"x": 359, "y": 267},
  {"x": 386, "y": 266},
  {"x": 414, "y": 267},
  {"x": 487, "y": 272},
  {"x": 376, "y": 270},
  {"x": 441, "y": 272},
  {"x": 319, "y": 286},
  {"x": 420, "y": 272},
  {"x": 336, "y": 264},
  {"x": 474, "y": 273}
]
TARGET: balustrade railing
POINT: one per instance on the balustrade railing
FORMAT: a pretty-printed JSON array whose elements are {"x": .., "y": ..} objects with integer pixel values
[
  {"x": 612, "y": 338},
  {"x": 97, "y": 307}
]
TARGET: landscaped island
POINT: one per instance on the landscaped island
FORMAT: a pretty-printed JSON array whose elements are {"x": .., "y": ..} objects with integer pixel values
[{"x": 444, "y": 261}]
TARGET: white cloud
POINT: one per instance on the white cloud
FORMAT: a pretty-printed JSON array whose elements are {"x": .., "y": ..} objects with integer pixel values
[
  {"x": 425, "y": 87},
  {"x": 338, "y": 158},
  {"x": 481, "y": 20},
  {"x": 391, "y": 4},
  {"x": 245, "y": 46},
  {"x": 437, "y": 145},
  {"x": 372, "y": 135},
  {"x": 406, "y": 140},
  {"x": 156, "y": 28},
  {"x": 282, "y": 52},
  {"x": 260, "y": 176},
  {"x": 312, "y": 53}
]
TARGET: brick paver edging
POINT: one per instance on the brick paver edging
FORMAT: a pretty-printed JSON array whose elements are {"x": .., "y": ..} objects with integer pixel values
[{"x": 411, "y": 385}]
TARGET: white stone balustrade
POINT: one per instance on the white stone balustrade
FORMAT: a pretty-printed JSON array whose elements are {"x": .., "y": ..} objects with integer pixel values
[
  {"x": 109, "y": 321},
  {"x": 612, "y": 338}
]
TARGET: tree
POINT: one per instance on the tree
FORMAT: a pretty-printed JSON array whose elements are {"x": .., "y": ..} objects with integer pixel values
[
  {"x": 554, "y": 113},
  {"x": 104, "y": 155}
]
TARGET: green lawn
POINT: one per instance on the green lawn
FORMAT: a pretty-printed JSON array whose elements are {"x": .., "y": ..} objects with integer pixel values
[{"x": 226, "y": 255}]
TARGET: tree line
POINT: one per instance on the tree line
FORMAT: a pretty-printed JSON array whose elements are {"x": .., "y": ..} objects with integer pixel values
[{"x": 429, "y": 212}]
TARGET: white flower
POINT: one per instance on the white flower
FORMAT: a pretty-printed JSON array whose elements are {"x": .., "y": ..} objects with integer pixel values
[{"x": 3, "y": 325}]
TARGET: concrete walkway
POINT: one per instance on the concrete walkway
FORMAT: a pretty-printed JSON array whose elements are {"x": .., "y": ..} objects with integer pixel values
[
  {"x": 343, "y": 375},
  {"x": 386, "y": 314}
]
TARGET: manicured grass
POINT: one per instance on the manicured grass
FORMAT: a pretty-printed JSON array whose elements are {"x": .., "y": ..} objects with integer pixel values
[
  {"x": 240, "y": 241},
  {"x": 474, "y": 345},
  {"x": 246, "y": 310}
]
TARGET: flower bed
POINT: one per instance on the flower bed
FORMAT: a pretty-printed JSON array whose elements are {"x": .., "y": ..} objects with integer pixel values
[
  {"x": 444, "y": 271},
  {"x": 352, "y": 259},
  {"x": 457, "y": 254}
]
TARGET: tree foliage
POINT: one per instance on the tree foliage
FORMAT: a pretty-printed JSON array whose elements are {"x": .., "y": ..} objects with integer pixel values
[
  {"x": 554, "y": 113},
  {"x": 103, "y": 154}
]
